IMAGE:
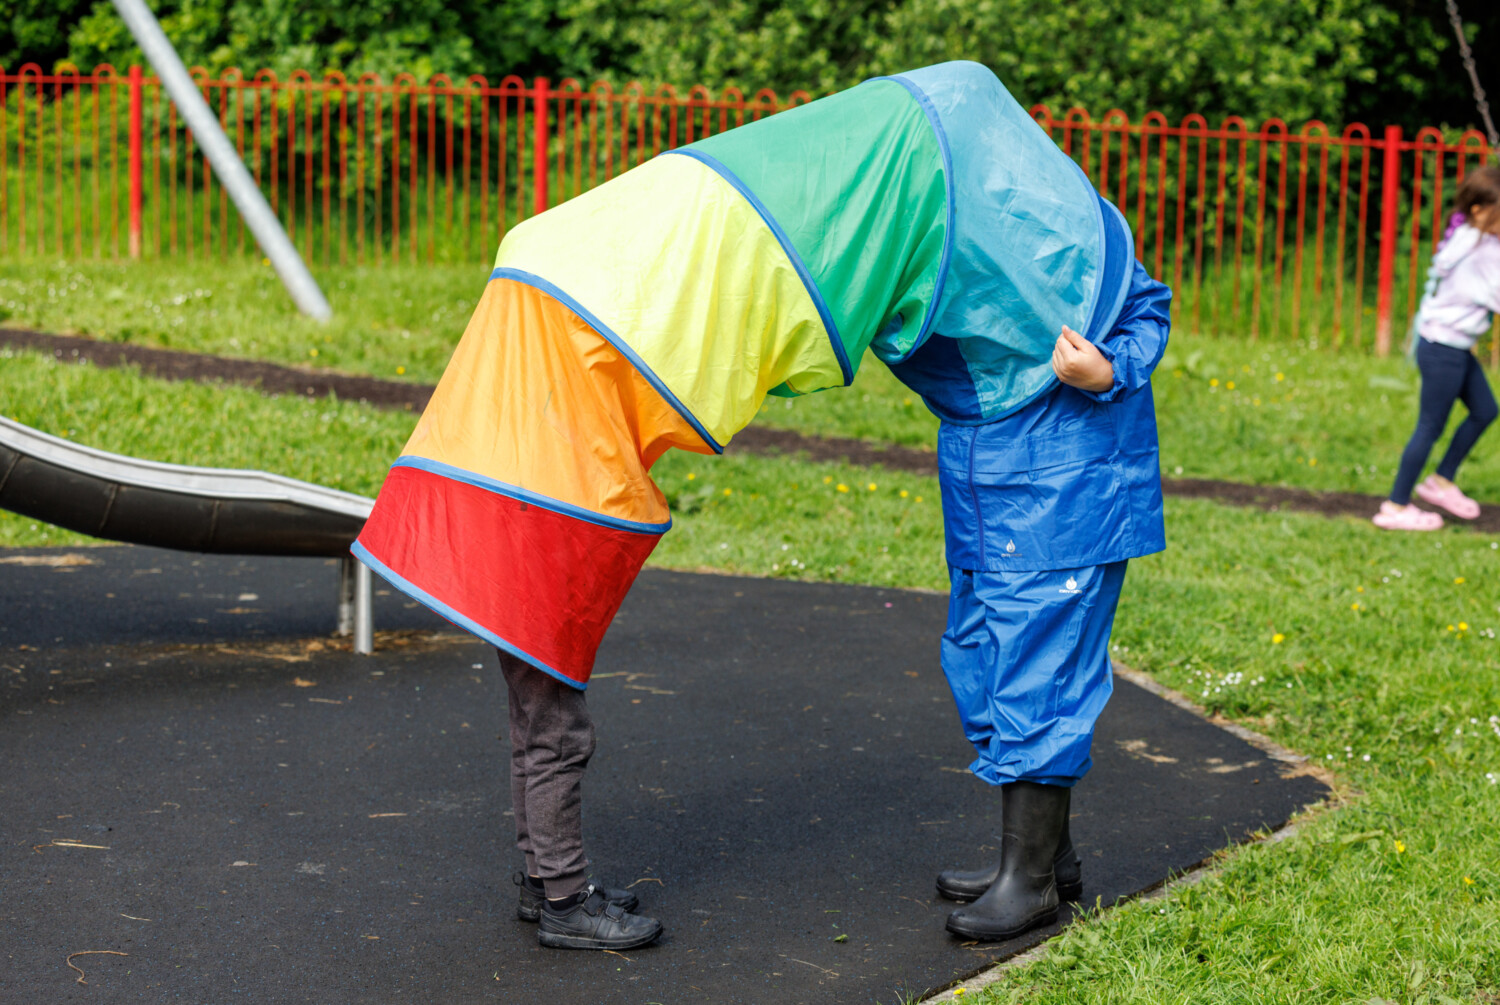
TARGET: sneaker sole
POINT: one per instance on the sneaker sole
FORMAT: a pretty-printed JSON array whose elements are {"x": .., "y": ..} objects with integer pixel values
[
  {"x": 1070, "y": 893},
  {"x": 556, "y": 940},
  {"x": 1400, "y": 527},
  {"x": 991, "y": 935}
]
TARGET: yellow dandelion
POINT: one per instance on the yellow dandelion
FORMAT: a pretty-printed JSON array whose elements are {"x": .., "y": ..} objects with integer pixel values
[
  {"x": 265, "y": 261},
  {"x": 1214, "y": 382},
  {"x": 1468, "y": 881},
  {"x": 904, "y": 493},
  {"x": 729, "y": 492},
  {"x": 1277, "y": 639},
  {"x": 919, "y": 499},
  {"x": 1280, "y": 377},
  {"x": 400, "y": 370},
  {"x": 1312, "y": 462},
  {"x": 1400, "y": 847},
  {"x": 906, "y": 401},
  {"x": 827, "y": 479},
  {"x": 872, "y": 486},
  {"x": 1450, "y": 628},
  {"x": 691, "y": 476},
  {"x": 1229, "y": 386},
  {"x": 842, "y": 487},
  {"x": 312, "y": 352},
  {"x": 1356, "y": 607},
  {"x": 1458, "y": 580},
  {"x": 1359, "y": 589},
  {"x": 1463, "y": 626},
  {"x": 1256, "y": 402}
]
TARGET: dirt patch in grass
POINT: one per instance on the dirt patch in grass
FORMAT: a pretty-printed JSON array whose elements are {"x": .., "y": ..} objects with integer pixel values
[{"x": 271, "y": 378}]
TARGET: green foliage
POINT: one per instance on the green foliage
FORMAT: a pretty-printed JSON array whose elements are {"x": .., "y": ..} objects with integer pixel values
[
  {"x": 1339, "y": 60},
  {"x": 1294, "y": 59},
  {"x": 421, "y": 37},
  {"x": 37, "y": 31}
]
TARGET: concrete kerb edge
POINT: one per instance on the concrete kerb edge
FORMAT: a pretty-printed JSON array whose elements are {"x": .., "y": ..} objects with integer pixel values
[{"x": 1297, "y": 763}]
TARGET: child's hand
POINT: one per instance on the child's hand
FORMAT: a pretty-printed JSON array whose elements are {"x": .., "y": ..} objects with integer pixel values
[{"x": 1079, "y": 364}]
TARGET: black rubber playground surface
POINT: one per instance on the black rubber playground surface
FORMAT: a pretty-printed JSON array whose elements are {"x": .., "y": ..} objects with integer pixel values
[{"x": 192, "y": 773}]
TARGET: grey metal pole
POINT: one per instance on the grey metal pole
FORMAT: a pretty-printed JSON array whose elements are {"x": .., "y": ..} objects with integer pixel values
[
  {"x": 226, "y": 162},
  {"x": 347, "y": 566},
  {"x": 364, "y": 614}
]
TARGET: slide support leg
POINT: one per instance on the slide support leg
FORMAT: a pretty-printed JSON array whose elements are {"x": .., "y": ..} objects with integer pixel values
[{"x": 364, "y": 619}]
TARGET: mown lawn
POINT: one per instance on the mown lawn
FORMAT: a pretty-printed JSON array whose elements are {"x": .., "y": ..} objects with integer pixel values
[
  {"x": 1375, "y": 653},
  {"x": 1268, "y": 413},
  {"x": 1273, "y": 412}
]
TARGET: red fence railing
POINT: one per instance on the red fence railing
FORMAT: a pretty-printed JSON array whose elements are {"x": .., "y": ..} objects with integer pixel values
[{"x": 1263, "y": 230}]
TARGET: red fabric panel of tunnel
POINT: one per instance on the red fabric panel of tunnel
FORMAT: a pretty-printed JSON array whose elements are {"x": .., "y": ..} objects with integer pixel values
[{"x": 547, "y": 583}]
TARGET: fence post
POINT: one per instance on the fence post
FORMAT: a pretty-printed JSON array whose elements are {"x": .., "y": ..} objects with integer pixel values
[
  {"x": 135, "y": 162},
  {"x": 539, "y": 146},
  {"x": 1390, "y": 204}
]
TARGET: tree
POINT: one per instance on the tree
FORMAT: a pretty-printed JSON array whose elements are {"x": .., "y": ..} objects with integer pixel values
[{"x": 1377, "y": 61}]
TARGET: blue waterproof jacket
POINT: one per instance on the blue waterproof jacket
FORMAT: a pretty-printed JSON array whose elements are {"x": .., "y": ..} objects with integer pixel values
[{"x": 1071, "y": 479}]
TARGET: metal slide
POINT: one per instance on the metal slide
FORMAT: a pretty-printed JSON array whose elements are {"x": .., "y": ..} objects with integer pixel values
[{"x": 218, "y": 510}]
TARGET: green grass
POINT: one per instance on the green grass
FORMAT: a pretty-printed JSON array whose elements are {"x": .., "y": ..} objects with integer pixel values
[
  {"x": 1331, "y": 638},
  {"x": 1335, "y": 419},
  {"x": 396, "y": 322},
  {"x": 1272, "y": 413}
]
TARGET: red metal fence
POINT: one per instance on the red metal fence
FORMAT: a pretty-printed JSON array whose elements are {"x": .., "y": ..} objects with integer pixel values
[{"x": 1267, "y": 230}]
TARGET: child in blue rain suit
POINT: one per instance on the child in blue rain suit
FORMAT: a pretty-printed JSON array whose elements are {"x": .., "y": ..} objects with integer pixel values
[{"x": 1042, "y": 509}]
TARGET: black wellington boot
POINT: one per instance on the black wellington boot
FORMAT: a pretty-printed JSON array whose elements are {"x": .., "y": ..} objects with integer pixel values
[
  {"x": 966, "y": 885},
  {"x": 1024, "y": 895}
]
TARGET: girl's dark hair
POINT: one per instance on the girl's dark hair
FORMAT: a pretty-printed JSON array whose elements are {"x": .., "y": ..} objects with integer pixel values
[{"x": 1480, "y": 187}]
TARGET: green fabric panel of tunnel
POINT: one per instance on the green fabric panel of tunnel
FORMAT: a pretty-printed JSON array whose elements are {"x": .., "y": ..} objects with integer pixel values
[{"x": 856, "y": 182}]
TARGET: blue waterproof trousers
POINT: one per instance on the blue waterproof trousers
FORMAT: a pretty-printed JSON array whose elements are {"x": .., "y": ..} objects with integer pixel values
[{"x": 1027, "y": 657}]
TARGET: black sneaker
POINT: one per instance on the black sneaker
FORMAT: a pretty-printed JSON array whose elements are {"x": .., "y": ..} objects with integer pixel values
[
  {"x": 595, "y": 924},
  {"x": 533, "y": 895}
]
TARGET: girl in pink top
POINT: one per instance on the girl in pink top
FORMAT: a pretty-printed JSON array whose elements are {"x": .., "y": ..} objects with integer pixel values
[{"x": 1463, "y": 291}]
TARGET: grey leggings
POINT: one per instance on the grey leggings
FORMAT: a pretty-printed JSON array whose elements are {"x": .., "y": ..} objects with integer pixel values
[{"x": 551, "y": 741}]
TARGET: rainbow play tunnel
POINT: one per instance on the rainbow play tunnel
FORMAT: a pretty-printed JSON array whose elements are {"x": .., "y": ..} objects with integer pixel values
[{"x": 660, "y": 309}]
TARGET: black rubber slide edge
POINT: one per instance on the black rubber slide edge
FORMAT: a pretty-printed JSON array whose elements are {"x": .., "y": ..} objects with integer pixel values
[{"x": 103, "y": 508}]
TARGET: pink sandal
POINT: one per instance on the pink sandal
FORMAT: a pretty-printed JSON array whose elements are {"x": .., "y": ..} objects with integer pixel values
[
  {"x": 1393, "y": 517},
  {"x": 1448, "y": 497}
]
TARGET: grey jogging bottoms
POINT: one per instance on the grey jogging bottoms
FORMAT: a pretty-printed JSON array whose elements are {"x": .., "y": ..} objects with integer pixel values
[{"x": 551, "y": 741}]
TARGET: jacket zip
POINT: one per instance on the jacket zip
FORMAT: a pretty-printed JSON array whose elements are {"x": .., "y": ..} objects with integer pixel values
[{"x": 974, "y": 498}]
